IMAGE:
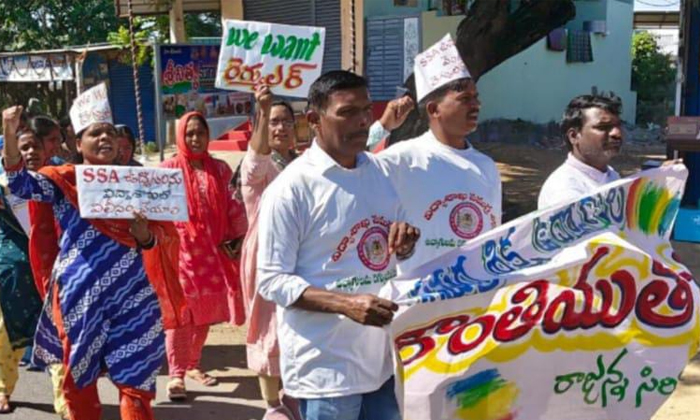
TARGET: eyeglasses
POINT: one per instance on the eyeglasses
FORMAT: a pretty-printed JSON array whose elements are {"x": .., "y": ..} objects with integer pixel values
[{"x": 284, "y": 123}]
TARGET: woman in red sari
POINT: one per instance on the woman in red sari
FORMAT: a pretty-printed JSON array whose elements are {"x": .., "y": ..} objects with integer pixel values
[{"x": 209, "y": 251}]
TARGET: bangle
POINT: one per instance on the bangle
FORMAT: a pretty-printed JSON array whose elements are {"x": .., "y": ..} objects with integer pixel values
[{"x": 150, "y": 243}]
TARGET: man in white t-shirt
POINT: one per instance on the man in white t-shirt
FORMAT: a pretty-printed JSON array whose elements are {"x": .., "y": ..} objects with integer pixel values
[
  {"x": 450, "y": 191},
  {"x": 593, "y": 134},
  {"x": 327, "y": 235}
]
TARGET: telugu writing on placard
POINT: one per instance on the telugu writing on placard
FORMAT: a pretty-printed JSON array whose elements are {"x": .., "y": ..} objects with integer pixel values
[
  {"x": 287, "y": 58},
  {"x": 116, "y": 192},
  {"x": 92, "y": 106}
]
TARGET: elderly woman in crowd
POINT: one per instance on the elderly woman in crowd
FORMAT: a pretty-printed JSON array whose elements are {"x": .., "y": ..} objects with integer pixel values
[{"x": 209, "y": 250}]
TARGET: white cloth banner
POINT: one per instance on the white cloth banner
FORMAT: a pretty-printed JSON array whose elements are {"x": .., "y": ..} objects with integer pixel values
[
  {"x": 116, "y": 192},
  {"x": 285, "y": 57},
  {"x": 580, "y": 311},
  {"x": 36, "y": 68}
]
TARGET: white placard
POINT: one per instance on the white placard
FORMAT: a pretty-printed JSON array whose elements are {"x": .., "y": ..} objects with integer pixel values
[
  {"x": 285, "y": 57},
  {"x": 92, "y": 106},
  {"x": 116, "y": 192}
]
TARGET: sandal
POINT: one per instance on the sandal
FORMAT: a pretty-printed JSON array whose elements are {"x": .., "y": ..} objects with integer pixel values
[
  {"x": 201, "y": 377},
  {"x": 177, "y": 390},
  {"x": 5, "y": 407}
]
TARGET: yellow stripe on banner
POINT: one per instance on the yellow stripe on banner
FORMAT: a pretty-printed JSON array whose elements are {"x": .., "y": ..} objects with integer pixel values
[
  {"x": 659, "y": 208},
  {"x": 500, "y": 353},
  {"x": 612, "y": 262}
]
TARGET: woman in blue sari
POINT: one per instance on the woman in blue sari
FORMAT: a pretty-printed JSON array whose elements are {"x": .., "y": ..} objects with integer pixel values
[{"x": 109, "y": 295}]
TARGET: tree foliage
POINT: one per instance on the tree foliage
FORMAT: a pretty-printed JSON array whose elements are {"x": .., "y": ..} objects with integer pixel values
[
  {"x": 653, "y": 74},
  {"x": 152, "y": 29},
  {"x": 652, "y": 70},
  {"x": 27, "y": 25}
]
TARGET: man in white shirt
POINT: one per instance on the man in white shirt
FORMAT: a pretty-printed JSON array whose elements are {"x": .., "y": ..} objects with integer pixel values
[
  {"x": 327, "y": 233},
  {"x": 450, "y": 191},
  {"x": 593, "y": 134}
]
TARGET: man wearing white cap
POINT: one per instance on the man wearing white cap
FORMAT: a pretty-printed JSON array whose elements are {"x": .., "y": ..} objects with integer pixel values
[
  {"x": 449, "y": 190},
  {"x": 101, "y": 312}
]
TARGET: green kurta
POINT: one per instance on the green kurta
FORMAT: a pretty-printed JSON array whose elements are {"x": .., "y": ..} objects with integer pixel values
[{"x": 19, "y": 300}]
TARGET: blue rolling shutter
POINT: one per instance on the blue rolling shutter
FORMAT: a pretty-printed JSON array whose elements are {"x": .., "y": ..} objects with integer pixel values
[
  {"x": 123, "y": 100},
  {"x": 384, "y": 56},
  {"x": 325, "y": 13},
  {"x": 297, "y": 12},
  {"x": 328, "y": 16}
]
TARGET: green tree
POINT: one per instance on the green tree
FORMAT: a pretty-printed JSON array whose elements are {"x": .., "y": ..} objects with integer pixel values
[
  {"x": 27, "y": 25},
  {"x": 152, "y": 29},
  {"x": 653, "y": 75}
]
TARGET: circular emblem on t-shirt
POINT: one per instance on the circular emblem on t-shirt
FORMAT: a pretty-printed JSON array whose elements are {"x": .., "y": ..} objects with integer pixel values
[
  {"x": 373, "y": 248},
  {"x": 466, "y": 220}
]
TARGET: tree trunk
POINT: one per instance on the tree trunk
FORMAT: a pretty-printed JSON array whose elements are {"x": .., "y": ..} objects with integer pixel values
[{"x": 490, "y": 34}]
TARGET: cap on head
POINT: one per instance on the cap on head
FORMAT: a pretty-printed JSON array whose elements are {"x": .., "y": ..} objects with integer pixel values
[
  {"x": 437, "y": 66},
  {"x": 90, "y": 107}
]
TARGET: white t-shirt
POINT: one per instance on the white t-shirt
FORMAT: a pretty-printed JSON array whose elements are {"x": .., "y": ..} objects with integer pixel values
[
  {"x": 573, "y": 179},
  {"x": 326, "y": 226},
  {"x": 451, "y": 195}
]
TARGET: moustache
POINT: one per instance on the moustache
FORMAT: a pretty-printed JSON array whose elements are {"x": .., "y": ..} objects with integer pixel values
[{"x": 359, "y": 133}]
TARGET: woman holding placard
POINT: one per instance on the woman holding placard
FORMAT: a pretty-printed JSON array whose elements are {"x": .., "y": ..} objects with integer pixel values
[
  {"x": 101, "y": 311},
  {"x": 269, "y": 152},
  {"x": 209, "y": 250}
]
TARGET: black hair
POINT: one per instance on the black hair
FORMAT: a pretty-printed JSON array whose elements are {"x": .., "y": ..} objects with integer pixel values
[
  {"x": 286, "y": 105},
  {"x": 124, "y": 131},
  {"x": 331, "y": 82},
  {"x": 28, "y": 131},
  {"x": 42, "y": 125},
  {"x": 574, "y": 114},
  {"x": 64, "y": 122},
  {"x": 439, "y": 94},
  {"x": 202, "y": 120}
]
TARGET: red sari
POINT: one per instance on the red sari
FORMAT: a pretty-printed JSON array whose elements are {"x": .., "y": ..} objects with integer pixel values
[{"x": 210, "y": 280}]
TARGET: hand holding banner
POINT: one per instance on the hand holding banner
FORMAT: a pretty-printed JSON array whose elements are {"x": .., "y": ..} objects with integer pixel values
[
  {"x": 286, "y": 58},
  {"x": 579, "y": 311},
  {"x": 116, "y": 192}
]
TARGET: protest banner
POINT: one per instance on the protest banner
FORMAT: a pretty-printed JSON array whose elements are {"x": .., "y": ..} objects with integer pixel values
[
  {"x": 116, "y": 192},
  {"x": 286, "y": 58},
  {"x": 579, "y": 311}
]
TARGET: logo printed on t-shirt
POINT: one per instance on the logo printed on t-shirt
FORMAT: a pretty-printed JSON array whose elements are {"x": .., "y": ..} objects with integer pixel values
[
  {"x": 373, "y": 245},
  {"x": 373, "y": 248},
  {"x": 466, "y": 220}
]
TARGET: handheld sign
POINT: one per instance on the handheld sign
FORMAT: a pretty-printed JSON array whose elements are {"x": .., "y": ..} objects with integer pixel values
[
  {"x": 286, "y": 58},
  {"x": 116, "y": 192}
]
